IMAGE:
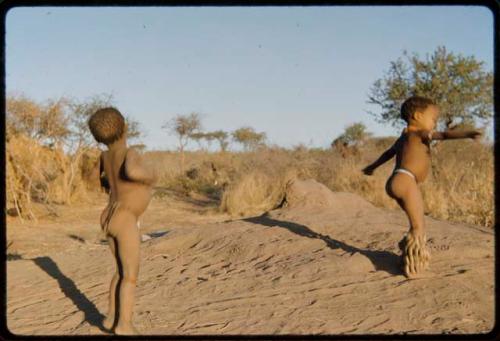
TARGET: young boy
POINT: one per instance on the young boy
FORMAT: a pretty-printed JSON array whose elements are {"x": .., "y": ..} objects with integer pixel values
[
  {"x": 412, "y": 151},
  {"x": 129, "y": 184}
]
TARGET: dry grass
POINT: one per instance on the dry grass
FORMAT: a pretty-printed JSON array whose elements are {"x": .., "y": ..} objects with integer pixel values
[
  {"x": 39, "y": 177},
  {"x": 459, "y": 188}
]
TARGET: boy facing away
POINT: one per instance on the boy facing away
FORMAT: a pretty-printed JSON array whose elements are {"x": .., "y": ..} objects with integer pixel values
[
  {"x": 413, "y": 157},
  {"x": 129, "y": 184}
]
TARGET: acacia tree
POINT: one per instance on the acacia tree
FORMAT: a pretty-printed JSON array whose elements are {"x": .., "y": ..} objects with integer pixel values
[
  {"x": 22, "y": 115},
  {"x": 222, "y": 138},
  {"x": 208, "y": 137},
  {"x": 249, "y": 138},
  {"x": 198, "y": 137},
  {"x": 53, "y": 122},
  {"x": 184, "y": 126},
  {"x": 460, "y": 85},
  {"x": 46, "y": 123},
  {"x": 219, "y": 135}
]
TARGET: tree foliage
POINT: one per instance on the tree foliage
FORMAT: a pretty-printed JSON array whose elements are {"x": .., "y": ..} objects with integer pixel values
[
  {"x": 353, "y": 134},
  {"x": 62, "y": 121},
  {"x": 222, "y": 138},
  {"x": 202, "y": 136},
  {"x": 185, "y": 127},
  {"x": 249, "y": 138},
  {"x": 460, "y": 85},
  {"x": 45, "y": 122},
  {"x": 219, "y": 135}
]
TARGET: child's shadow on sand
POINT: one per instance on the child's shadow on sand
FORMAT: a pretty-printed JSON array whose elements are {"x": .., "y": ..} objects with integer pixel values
[
  {"x": 68, "y": 287},
  {"x": 382, "y": 260}
]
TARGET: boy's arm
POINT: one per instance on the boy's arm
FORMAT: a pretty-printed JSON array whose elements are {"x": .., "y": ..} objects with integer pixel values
[
  {"x": 102, "y": 176},
  {"x": 452, "y": 134},
  {"x": 135, "y": 169},
  {"x": 386, "y": 156}
]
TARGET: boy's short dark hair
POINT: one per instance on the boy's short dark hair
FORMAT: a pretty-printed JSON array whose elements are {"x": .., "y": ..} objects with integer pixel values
[
  {"x": 413, "y": 104},
  {"x": 107, "y": 125}
]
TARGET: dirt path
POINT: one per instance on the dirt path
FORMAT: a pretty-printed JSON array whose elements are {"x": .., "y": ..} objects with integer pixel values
[{"x": 330, "y": 267}]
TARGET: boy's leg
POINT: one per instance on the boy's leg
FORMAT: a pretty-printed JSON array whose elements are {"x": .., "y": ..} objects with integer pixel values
[
  {"x": 110, "y": 318},
  {"x": 128, "y": 240},
  {"x": 415, "y": 254}
]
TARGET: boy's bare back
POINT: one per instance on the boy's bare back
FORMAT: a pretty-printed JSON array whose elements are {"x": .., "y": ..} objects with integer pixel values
[{"x": 129, "y": 183}]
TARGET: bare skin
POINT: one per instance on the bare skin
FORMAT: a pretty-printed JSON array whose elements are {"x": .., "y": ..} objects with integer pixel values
[
  {"x": 412, "y": 151},
  {"x": 129, "y": 184}
]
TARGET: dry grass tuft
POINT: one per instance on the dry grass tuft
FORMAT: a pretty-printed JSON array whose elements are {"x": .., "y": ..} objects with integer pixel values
[{"x": 255, "y": 193}]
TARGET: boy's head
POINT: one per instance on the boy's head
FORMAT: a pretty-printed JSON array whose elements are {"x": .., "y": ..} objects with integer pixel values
[
  {"x": 421, "y": 110},
  {"x": 107, "y": 125}
]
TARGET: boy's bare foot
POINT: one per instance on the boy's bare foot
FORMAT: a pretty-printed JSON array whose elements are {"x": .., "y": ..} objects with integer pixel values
[
  {"x": 108, "y": 322},
  {"x": 415, "y": 254},
  {"x": 126, "y": 330}
]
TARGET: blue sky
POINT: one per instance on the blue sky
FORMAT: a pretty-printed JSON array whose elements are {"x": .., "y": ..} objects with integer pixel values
[{"x": 301, "y": 74}]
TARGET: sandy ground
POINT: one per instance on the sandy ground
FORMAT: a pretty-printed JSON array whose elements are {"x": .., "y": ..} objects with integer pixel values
[{"x": 326, "y": 263}]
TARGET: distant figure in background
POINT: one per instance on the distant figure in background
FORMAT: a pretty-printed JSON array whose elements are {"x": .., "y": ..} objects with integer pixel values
[
  {"x": 129, "y": 184},
  {"x": 344, "y": 149},
  {"x": 412, "y": 151}
]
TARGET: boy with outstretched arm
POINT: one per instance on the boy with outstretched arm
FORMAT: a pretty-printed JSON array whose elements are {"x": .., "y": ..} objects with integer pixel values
[{"x": 413, "y": 157}]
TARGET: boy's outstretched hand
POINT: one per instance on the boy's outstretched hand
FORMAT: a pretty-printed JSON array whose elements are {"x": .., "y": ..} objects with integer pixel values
[{"x": 368, "y": 170}]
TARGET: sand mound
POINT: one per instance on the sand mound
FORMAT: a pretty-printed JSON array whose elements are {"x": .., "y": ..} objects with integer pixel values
[{"x": 301, "y": 194}]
